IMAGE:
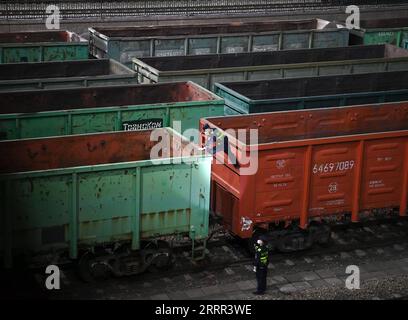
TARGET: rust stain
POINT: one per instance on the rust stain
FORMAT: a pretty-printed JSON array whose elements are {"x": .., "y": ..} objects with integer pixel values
[{"x": 77, "y": 150}]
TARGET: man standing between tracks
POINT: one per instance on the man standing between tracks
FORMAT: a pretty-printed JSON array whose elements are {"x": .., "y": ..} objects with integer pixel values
[{"x": 261, "y": 265}]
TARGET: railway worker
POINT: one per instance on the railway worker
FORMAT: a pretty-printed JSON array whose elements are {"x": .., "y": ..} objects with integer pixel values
[
  {"x": 261, "y": 265},
  {"x": 217, "y": 141}
]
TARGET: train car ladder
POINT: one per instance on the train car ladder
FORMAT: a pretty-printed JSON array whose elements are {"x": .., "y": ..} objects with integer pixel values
[{"x": 198, "y": 248}]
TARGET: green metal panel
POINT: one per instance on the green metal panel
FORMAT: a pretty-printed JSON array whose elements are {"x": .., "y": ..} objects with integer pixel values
[
  {"x": 74, "y": 207},
  {"x": 44, "y": 124},
  {"x": 200, "y": 192},
  {"x": 104, "y": 119},
  {"x": 21, "y": 54},
  {"x": 369, "y": 92},
  {"x": 48, "y": 49},
  {"x": 171, "y": 191},
  {"x": 154, "y": 70},
  {"x": 383, "y": 36},
  {"x": 65, "y": 53},
  {"x": 392, "y": 31}
]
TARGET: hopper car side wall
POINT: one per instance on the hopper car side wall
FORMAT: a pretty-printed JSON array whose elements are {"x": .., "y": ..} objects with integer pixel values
[
  {"x": 125, "y": 48},
  {"x": 44, "y": 52},
  {"x": 43, "y": 124},
  {"x": 43, "y": 113},
  {"x": 42, "y": 46},
  {"x": 394, "y": 36},
  {"x": 319, "y": 179},
  {"x": 313, "y": 92},
  {"x": 381, "y": 31},
  {"x": 86, "y": 206},
  {"x": 207, "y": 78},
  {"x": 261, "y": 67},
  {"x": 84, "y": 73}
]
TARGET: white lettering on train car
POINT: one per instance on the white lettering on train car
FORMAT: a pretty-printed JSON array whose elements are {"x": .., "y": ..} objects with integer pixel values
[{"x": 333, "y": 166}]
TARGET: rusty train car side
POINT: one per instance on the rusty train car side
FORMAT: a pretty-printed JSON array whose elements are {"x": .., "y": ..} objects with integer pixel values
[{"x": 313, "y": 166}]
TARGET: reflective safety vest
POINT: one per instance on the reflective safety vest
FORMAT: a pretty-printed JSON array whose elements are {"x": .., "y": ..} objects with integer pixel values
[
  {"x": 217, "y": 141},
  {"x": 214, "y": 140},
  {"x": 261, "y": 255}
]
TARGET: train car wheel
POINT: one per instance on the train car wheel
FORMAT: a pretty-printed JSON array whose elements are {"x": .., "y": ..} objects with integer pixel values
[
  {"x": 90, "y": 269},
  {"x": 159, "y": 258}
]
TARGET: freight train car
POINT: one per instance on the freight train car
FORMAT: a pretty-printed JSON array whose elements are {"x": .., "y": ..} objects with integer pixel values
[
  {"x": 209, "y": 69},
  {"x": 313, "y": 92},
  {"x": 36, "y": 46},
  {"x": 64, "y": 74},
  {"x": 312, "y": 167},
  {"x": 393, "y": 31},
  {"x": 125, "y": 43},
  {"x": 34, "y": 113},
  {"x": 104, "y": 199}
]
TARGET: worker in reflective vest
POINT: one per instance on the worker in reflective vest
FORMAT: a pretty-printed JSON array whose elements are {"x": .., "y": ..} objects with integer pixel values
[
  {"x": 261, "y": 265},
  {"x": 214, "y": 140},
  {"x": 217, "y": 141}
]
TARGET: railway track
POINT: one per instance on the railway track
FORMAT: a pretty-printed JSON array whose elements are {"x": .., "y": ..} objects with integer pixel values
[
  {"x": 375, "y": 234},
  {"x": 36, "y": 10},
  {"x": 226, "y": 253}
]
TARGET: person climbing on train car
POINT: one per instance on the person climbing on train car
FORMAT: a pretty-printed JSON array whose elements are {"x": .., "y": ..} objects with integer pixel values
[
  {"x": 261, "y": 265},
  {"x": 217, "y": 141}
]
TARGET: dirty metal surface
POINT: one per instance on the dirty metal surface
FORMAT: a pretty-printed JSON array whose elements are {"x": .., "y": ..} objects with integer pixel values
[{"x": 272, "y": 58}]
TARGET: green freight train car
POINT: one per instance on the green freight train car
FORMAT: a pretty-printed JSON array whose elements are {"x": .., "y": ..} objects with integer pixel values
[
  {"x": 36, "y": 46},
  {"x": 392, "y": 31},
  {"x": 313, "y": 92},
  {"x": 126, "y": 43},
  {"x": 209, "y": 69},
  {"x": 103, "y": 199},
  {"x": 64, "y": 74},
  {"x": 56, "y": 112}
]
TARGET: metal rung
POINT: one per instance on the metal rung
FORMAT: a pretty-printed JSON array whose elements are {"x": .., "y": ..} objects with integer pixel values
[
  {"x": 198, "y": 253},
  {"x": 199, "y": 258}
]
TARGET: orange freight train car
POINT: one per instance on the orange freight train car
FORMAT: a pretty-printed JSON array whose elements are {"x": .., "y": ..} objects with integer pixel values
[{"x": 313, "y": 167}]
